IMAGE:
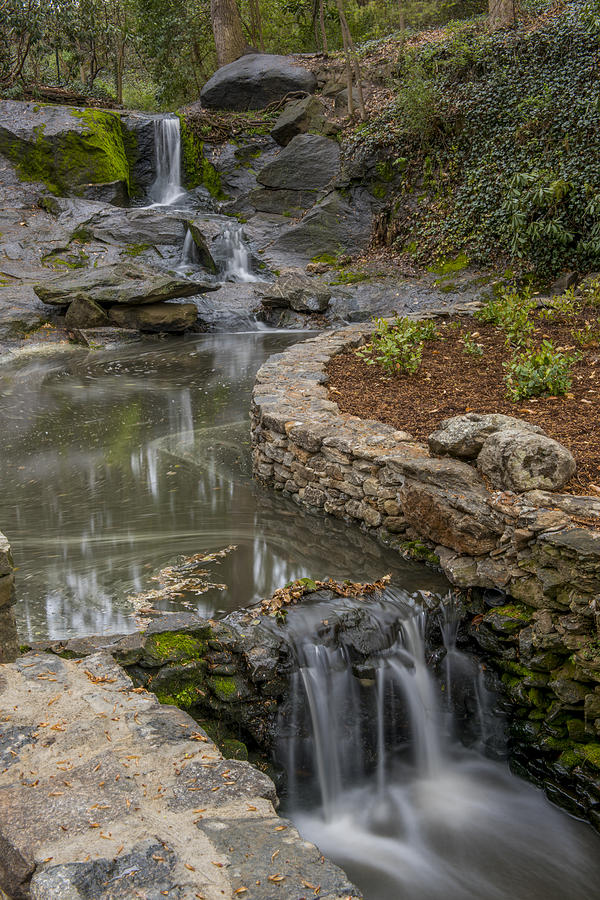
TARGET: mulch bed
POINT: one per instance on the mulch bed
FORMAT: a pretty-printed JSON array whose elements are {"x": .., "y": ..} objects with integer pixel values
[{"x": 451, "y": 382}]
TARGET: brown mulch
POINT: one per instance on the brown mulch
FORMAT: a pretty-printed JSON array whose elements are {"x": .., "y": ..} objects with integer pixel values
[{"x": 451, "y": 382}]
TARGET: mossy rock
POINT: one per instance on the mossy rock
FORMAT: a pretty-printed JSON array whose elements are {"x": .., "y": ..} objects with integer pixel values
[
  {"x": 65, "y": 148},
  {"x": 173, "y": 647},
  {"x": 182, "y": 685},
  {"x": 196, "y": 169},
  {"x": 508, "y": 619},
  {"x": 228, "y": 688}
]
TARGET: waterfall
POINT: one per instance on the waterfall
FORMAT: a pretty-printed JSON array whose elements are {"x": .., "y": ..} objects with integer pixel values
[
  {"x": 378, "y": 779},
  {"x": 235, "y": 255},
  {"x": 167, "y": 148}
]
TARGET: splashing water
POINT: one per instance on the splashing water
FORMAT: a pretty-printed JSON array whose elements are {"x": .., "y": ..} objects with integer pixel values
[
  {"x": 234, "y": 252},
  {"x": 166, "y": 188},
  {"x": 378, "y": 780}
]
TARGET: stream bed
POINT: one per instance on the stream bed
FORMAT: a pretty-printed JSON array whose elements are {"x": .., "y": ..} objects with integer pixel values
[{"x": 116, "y": 462}]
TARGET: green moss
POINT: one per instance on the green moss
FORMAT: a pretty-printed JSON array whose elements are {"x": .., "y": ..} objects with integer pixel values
[
  {"x": 349, "y": 277},
  {"x": 327, "y": 259},
  {"x": 419, "y": 550},
  {"x": 589, "y": 753},
  {"x": 569, "y": 759},
  {"x": 172, "y": 646},
  {"x": 136, "y": 249},
  {"x": 197, "y": 170},
  {"x": 233, "y": 749},
  {"x": 450, "y": 266},
  {"x": 70, "y": 160},
  {"x": 224, "y": 686}
]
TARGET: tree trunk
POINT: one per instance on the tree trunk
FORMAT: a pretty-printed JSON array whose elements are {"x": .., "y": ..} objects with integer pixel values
[
  {"x": 502, "y": 13},
  {"x": 322, "y": 26},
  {"x": 351, "y": 60},
  {"x": 227, "y": 29}
]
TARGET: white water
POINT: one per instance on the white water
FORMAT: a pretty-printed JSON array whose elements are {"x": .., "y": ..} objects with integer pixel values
[
  {"x": 378, "y": 782},
  {"x": 234, "y": 252},
  {"x": 166, "y": 188}
]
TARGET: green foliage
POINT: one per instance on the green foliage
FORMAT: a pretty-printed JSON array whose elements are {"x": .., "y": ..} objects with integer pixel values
[
  {"x": 511, "y": 312},
  {"x": 502, "y": 131},
  {"x": 562, "y": 309},
  {"x": 398, "y": 347},
  {"x": 470, "y": 345},
  {"x": 589, "y": 335},
  {"x": 544, "y": 371}
]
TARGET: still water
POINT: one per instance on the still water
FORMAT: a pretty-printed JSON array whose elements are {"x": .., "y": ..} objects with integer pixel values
[{"x": 114, "y": 463}]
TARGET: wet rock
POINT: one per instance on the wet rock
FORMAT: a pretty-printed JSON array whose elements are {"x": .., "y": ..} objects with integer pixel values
[
  {"x": 518, "y": 460},
  {"x": 155, "y": 227},
  {"x": 114, "y": 193},
  {"x": 299, "y": 117},
  {"x": 308, "y": 162},
  {"x": 6, "y": 560},
  {"x": 464, "y": 436},
  {"x": 298, "y": 292},
  {"x": 139, "y": 146},
  {"x": 124, "y": 283},
  {"x": 165, "y": 317},
  {"x": 85, "y": 313},
  {"x": 281, "y": 202},
  {"x": 254, "y": 81}
]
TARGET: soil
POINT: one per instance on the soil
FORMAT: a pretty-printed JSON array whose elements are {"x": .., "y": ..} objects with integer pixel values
[{"x": 451, "y": 382}]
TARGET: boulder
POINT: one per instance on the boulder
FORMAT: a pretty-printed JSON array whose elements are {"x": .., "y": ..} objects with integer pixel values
[
  {"x": 309, "y": 162},
  {"x": 139, "y": 146},
  {"x": 202, "y": 254},
  {"x": 114, "y": 193},
  {"x": 518, "y": 460},
  {"x": 85, "y": 313},
  {"x": 299, "y": 117},
  {"x": 124, "y": 283},
  {"x": 333, "y": 227},
  {"x": 464, "y": 436},
  {"x": 155, "y": 227},
  {"x": 66, "y": 148},
  {"x": 340, "y": 104},
  {"x": 254, "y": 81},
  {"x": 171, "y": 317},
  {"x": 298, "y": 292}
]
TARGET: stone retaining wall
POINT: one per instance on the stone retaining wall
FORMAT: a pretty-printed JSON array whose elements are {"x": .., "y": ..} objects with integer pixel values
[{"x": 541, "y": 550}]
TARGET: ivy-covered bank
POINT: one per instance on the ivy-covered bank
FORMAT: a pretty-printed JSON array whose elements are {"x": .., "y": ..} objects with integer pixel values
[
  {"x": 532, "y": 551},
  {"x": 494, "y": 139}
]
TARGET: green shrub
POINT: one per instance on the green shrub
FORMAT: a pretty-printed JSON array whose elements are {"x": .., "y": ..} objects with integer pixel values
[
  {"x": 398, "y": 347},
  {"x": 470, "y": 345},
  {"x": 544, "y": 371},
  {"x": 512, "y": 313},
  {"x": 562, "y": 309}
]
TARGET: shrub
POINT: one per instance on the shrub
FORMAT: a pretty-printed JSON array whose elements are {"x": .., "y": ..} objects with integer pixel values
[
  {"x": 398, "y": 347},
  {"x": 512, "y": 313},
  {"x": 532, "y": 373},
  {"x": 470, "y": 345}
]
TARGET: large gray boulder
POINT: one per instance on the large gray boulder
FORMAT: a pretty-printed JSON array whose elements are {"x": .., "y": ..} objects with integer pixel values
[
  {"x": 518, "y": 460},
  {"x": 254, "y": 81},
  {"x": 138, "y": 226},
  {"x": 464, "y": 436},
  {"x": 296, "y": 291},
  {"x": 125, "y": 283},
  {"x": 309, "y": 162}
]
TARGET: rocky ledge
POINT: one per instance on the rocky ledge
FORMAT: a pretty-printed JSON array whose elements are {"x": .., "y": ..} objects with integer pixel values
[
  {"x": 489, "y": 514},
  {"x": 106, "y": 793}
]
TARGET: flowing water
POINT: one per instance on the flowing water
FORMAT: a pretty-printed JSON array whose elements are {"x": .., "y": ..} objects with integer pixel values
[
  {"x": 379, "y": 778},
  {"x": 116, "y": 462},
  {"x": 234, "y": 254},
  {"x": 167, "y": 143}
]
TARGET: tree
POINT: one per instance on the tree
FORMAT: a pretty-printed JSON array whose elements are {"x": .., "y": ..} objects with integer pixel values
[
  {"x": 502, "y": 13},
  {"x": 227, "y": 29}
]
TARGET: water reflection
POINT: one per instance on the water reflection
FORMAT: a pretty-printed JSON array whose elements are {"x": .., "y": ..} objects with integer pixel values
[{"x": 115, "y": 462}]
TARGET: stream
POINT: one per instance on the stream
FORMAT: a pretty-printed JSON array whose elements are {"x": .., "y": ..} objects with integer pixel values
[{"x": 118, "y": 461}]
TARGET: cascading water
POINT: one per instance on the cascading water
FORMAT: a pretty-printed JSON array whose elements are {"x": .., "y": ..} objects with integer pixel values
[
  {"x": 379, "y": 781},
  {"x": 234, "y": 253},
  {"x": 166, "y": 188}
]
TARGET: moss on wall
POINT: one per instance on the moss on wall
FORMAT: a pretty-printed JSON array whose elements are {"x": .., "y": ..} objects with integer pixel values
[{"x": 197, "y": 170}]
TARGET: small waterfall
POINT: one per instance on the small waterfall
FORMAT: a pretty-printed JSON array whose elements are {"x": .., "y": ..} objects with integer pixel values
[
  {"x": 378, "y": 780},
  {"x": 189, "y": 252},
  {"x": 235, "y": 255},
  {"x": 167, "y": 148}
]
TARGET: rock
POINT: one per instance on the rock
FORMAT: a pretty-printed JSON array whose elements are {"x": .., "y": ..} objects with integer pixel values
[
  {"x": 123, "y": 283},
  {"x": 139, "y": 146},
  {"x": 298, "y": 292},
  {"x": 281, "y": 203},
  {"x": 138, "y": 226},
  {"x": 332, "y": 227},
  {"x": 6, "y": 560},
  {"x": 114, "y": 193},
  {"x": 254, "y": 81},
  {"x": 518, "y": 460},
  {"x": 464, "y": 436},
  {"x": 236, "y": 165},
  {"x": 298, "y": 117},
  {"x": 340, "y": 104},
  {"x": 202, "y": 253},
  {"x": 171, "y": 317},
  {"x": 85, "y": 313},
  {"x": 308, "y": 162},
  {"x": 66, "y": 148}
]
